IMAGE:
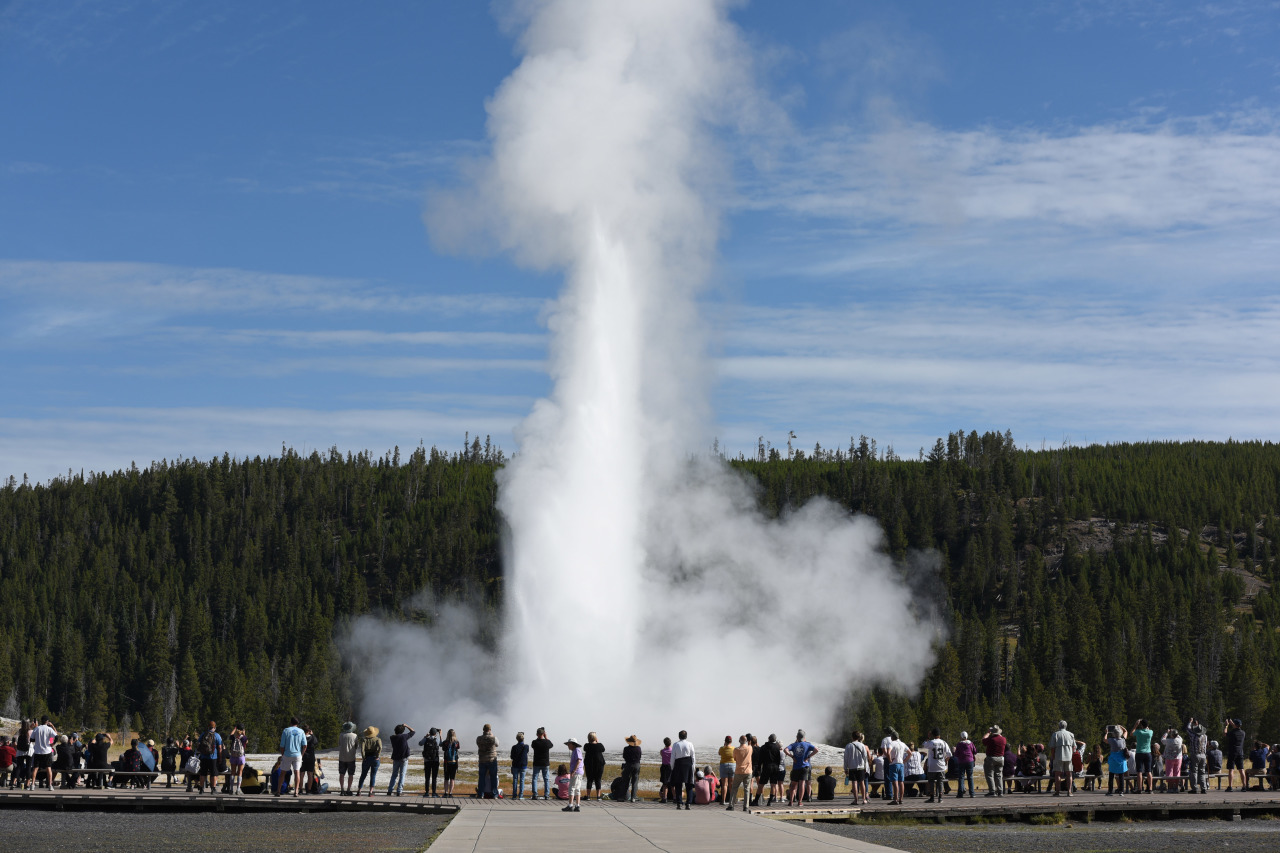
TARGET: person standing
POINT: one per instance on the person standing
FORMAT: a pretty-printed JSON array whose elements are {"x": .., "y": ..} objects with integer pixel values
[
  {"x": 399, "y": 757},
  {"x": 293, "y": 742},
  {"x": 310, "y": 779},
  {"x": 487, "y": 755},
  {"x": 348, "y": 752},
  {"x": 1233, "y": 750},
  {"x": 541, "y": 764},
  {"x": 1117, "y": 758},
  {"x": 1197, "y": 755},
  {"x": 682, "y": 770},
  {"x": 370, "y": 753},
  {"x": 631, "y": 758},
  {"x": 966, "y": 753},
  {"x": 237, "y": 746},
  {"x": 1062, "y": 748},
  {"x": 430, "y": 761},
  {"x": 1142, "y": 736},
  {"x": 449, "y": 750},
  {"x": 726, "y": 768},
  {"x": 42, "y": 740},
  {"x": 800, "y": 751},
  {"x": 664, "y": 770},
  {"x": 577, "y": 769},
  {"x": 519, "y": 763},
  {"x": 209, "y": 748},
  {"x": 857, "y": 765},
  {"x": 937, "y": 753},
  {"x": 742, "y": 770},
  {"x": 594, "y": 752},
  {"x": 895, "y": 757},
  {"x": 1171, "y": 749},
  {"x": 994, "y": 745}
]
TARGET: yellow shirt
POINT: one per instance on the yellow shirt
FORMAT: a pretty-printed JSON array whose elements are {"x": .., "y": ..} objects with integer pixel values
[{"x": 726, "y": 754}]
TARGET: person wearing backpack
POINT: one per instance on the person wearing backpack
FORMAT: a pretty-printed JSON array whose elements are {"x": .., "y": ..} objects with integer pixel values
[
  {"x": 237, "y": 744},
  {"x": 209, "y": 747},
  {"x": 370, "y": 750},
  {"x": 430, "y": 761}
]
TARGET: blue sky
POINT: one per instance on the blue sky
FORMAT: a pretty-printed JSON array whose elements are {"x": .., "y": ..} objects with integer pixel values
[{"x": 1056, "y": 218}]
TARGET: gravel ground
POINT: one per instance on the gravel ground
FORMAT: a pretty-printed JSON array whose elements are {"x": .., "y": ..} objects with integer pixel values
[
  {"x": 209, "y": 832},
  {"x": 1183, "y": 836}
]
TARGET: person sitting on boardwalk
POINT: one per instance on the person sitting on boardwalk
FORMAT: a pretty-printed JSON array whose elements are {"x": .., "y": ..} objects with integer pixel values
[
  {"x": 1093, "y": 770},
  {"x": 704, "y": 789},
  {"x": 913, "y": 772},
  {"x": 562, "y": 782},
  {"x": 7, "y": 754},
  {"x": 1258, "y": 758},
  {"x": 826, "y": 786}
]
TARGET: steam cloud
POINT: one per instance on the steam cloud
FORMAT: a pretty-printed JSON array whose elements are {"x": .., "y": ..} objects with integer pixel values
[{"x": 644, "y": 589}]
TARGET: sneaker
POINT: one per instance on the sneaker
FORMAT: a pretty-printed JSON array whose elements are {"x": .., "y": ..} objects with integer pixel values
[
  {"x": 730, "y": 808},
  {"x": 567, "y": 809},
  {"x": 686, "y": 807},
  {"x": 577, "y": 808}
]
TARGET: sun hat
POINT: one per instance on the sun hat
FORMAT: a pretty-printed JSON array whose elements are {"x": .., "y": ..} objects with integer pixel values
[
  {"x": 572, "y": 742},
  {"x": 995, "y": 730},
  {"x": 633, "y": 740},
  {"x": 348, "y": 727},
  {"x": 371, "y": 731}
]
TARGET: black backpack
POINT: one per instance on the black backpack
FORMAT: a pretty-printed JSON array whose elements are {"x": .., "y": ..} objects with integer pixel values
[
  {"x": 618, "y": 789},
  {"x": 431, "y": 750}
]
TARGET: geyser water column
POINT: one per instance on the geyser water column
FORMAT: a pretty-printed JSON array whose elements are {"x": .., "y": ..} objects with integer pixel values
[{"x": 598, "y": 142}]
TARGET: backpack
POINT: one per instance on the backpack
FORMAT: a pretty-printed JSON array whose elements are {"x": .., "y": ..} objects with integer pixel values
[
  {"x": 207, "y": 743},
  {"x": 431, "y": 750},
  {"x": 235, "y": 746},
  {"x": 372, "y": 747},
  {"x": 618, "y": 789}
]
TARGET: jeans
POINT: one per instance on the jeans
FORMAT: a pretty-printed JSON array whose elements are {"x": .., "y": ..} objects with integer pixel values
[
  {"x": 1196, "y": 773},
  {"x": 398, "y": 766},
  {"x": 517, "y": 782},
  {"x": 546, "y": 782},
  {"x": 631, "y": 772},
  {"x": 966, "y": 773},
  {"x": 369, "y": 767},
  {"x": 488, "y": 783},
  {"x": 993, "y": 767}
]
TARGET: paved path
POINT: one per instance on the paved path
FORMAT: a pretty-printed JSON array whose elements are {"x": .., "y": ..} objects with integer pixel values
[{"x": 619, "y": 829}]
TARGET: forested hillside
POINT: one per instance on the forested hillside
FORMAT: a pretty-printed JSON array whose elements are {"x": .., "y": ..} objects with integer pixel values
[{"x": 1093, "y": 583}]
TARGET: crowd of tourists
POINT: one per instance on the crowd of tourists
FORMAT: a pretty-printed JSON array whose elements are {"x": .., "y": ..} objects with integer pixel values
[{"x": 756, "y": 771}]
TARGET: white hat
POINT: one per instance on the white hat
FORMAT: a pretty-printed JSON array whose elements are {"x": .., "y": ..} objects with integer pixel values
[{"x": 573, "y": 741}]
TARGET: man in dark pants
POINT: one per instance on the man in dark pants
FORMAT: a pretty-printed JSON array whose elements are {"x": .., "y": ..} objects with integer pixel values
[{"x": 682, "y": 779}]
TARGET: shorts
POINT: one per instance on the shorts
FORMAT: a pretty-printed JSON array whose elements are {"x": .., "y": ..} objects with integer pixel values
[
  {"x": 1235, "y": 762},
  {"x": 799, "y": 774},
  {"x": 450, "y": 770},
  {"x": 859, "y": 775},
  {"x": 664, "y": 774},
  {"x": 236, "y": 761},
  {"x": 347, "y": 767},
  {"x": 1062, "y": 766},
  {"x": 894, "y": 773},
  {"x": 575, "y": 784},
  {"x": 1142, "y": 761},
  {"x": 43, "y": 762},
  {"x": 727, "y": 771},
  {"x": 309, "y": 763},
  {"x": 208, "y": 766}
]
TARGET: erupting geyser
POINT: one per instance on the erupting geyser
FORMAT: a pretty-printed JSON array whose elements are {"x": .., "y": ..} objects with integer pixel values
[{"x": 645, "y": 592}]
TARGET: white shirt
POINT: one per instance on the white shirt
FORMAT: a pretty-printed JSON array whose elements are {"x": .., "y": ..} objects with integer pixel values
[
  {"x": 877, "y": 771},
  {"x": 897, "y": 751},
  {"x": 915, "y": 767},
  {"x": 855, "y": 756},
  {"x": 1173, "y": 748},
  {"x": 40, "y": 740},
  {"x": 681, "y": 749},
  {"x": 937, "y": 752}
]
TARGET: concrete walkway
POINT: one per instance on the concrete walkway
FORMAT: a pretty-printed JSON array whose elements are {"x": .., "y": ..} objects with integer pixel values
[{"x": 619, "y": 829}]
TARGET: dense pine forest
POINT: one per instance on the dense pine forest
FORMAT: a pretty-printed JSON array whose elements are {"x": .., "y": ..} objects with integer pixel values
[{"x": 1098, "y": 583}]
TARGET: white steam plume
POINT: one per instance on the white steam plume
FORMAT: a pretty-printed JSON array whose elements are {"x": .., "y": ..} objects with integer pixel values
[{"x": 644, "y": 590}]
